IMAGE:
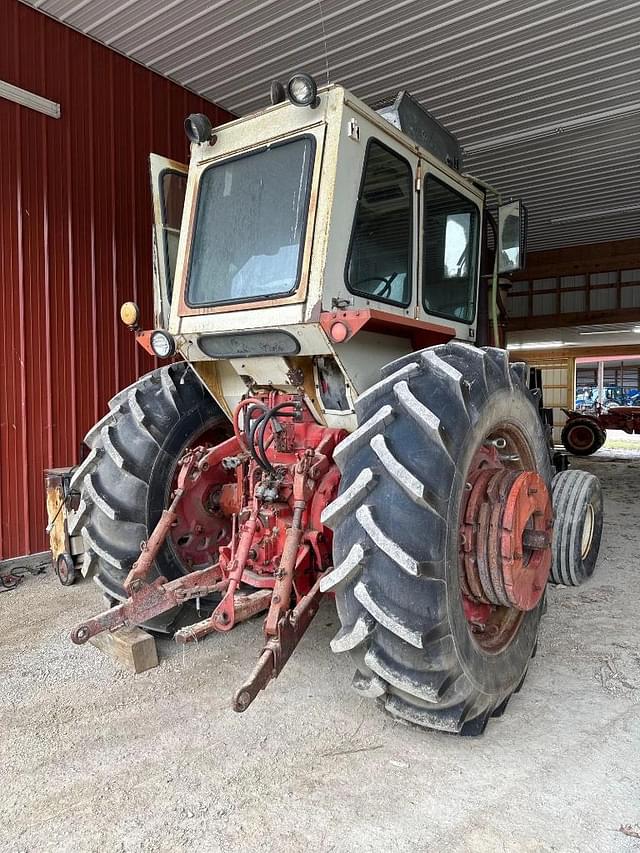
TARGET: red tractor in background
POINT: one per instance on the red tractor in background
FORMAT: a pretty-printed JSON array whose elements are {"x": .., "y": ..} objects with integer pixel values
[{"x": 584, "y": 433}]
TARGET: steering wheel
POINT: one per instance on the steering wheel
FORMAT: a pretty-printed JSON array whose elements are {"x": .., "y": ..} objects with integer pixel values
[{"x": 386, "y": 282}]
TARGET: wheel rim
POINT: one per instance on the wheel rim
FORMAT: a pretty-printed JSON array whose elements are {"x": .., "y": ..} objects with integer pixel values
[
  {"x": 200, "y": 528},
  {"x": 587, "y": 531},
  {"x": 66, "y": 569},
  {"x": 505, "y": 536},
  {"x": 63, "y": 569},
  {"x": 581, "y": 437}
]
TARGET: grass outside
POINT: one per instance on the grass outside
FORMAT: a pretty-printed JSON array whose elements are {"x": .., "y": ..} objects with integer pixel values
[{"x": 619, "y": 440}]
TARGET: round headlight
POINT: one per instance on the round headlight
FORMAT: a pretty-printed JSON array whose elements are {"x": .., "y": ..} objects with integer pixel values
[
  {"x": 162, "y": 344},
  {"x": 302, "y": 90}
]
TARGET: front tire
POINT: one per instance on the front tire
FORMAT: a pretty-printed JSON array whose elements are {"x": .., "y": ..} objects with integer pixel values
[
  {"x": 396, "y": 522},
  {"x": 578, "y": 507}
]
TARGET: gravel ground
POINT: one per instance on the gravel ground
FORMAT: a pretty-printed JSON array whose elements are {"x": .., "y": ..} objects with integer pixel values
[{"x": 95, "y": 759}]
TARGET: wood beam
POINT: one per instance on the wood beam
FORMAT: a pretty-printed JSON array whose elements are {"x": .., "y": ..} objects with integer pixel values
[
  {"x": 578, "y": 260},
  {"x": 131, "y": 647},
  {"x": 534, "y": 356}
]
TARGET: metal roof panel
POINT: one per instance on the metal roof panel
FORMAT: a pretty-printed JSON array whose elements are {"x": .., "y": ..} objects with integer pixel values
[{"x": 508, "y": 77}]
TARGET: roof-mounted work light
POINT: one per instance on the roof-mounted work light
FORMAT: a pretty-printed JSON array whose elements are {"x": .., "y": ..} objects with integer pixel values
[
  {"x": 198, "y": 128},
  {"x": 302, "y": 90},
  {"x": 277, "y": 92}
]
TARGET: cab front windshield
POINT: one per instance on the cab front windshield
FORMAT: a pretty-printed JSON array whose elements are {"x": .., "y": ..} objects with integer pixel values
[{"x": 250, "y": 225}]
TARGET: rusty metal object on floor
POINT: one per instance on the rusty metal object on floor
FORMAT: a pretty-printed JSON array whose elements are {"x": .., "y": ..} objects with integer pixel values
[
  {"x": 244, "y": 607},
  {"x": 11, "y": 579}
]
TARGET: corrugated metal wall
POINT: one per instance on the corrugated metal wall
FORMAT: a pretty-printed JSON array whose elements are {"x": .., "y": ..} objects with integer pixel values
[{"x": 75, "y": 242}]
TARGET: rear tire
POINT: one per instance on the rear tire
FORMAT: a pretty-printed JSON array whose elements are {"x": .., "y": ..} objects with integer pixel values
[
  {"x": 583, "y": 436},
  {"x": 577, "y": 504},
  {"x": 396, "y": 544},
  {"x": 125, "y": 481}
]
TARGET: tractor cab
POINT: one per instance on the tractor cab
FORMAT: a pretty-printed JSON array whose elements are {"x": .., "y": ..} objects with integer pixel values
[{"x": 325, "y": 236}]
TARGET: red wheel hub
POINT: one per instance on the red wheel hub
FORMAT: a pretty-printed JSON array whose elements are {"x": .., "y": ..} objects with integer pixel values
[
  {"x": 202, "y": 526},
  {"x": 506, "y": 539}
]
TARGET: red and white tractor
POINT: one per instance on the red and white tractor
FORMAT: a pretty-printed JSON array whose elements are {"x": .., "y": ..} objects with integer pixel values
[{"x": 338, "y": 424}]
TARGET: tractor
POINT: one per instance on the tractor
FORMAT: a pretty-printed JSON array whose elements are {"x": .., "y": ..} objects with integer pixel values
[
  {"x": 585, "y": 433},
  {"x": 336, "y": 415}
]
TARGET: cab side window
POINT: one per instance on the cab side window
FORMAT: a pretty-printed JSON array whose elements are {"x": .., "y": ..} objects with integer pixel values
[
  {"x": 450, "y": 252},
  {"x": 173, "y": 188},
  {"x": 379, "y": 260}
]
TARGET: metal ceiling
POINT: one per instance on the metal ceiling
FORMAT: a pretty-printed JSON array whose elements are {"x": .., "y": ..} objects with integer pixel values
[{"x": 544, "y": 95}]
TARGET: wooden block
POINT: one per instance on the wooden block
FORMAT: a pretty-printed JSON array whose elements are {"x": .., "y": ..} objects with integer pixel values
[{"x": 131, "y": 647}]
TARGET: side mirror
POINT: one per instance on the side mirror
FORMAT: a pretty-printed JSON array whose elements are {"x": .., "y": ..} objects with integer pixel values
[{"x": 512, "y": 236}]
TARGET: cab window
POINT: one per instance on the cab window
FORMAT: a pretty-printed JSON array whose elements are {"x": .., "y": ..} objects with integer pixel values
[
  {"x": 450, "y": 252},
  {"x": 379, "y": 260},
  {"x": 173, "y": 187},
  {"x": 250, "y": 226}
]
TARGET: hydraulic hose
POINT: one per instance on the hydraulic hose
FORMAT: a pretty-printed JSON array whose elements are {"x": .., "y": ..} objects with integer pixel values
[{"x": 259, "y": 433}]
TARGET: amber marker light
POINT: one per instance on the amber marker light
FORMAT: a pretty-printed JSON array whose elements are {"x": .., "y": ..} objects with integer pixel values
[{"x": 130, "y": 314}]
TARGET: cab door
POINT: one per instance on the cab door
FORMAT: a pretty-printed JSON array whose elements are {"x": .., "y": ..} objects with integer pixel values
[
  {"x": 449, "y": 252},
  {"x": 168, "y": 187}
]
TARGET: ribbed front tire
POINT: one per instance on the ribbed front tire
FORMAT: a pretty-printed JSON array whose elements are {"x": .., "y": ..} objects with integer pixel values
[
  {"x": 578, "y": 507},
  {"x": 396, "y": 527}
]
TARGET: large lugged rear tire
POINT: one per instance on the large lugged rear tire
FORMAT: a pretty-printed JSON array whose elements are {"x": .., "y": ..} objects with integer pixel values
[
  {"x": 397, "y": 536},
  {"x": 126, "y": 479}
]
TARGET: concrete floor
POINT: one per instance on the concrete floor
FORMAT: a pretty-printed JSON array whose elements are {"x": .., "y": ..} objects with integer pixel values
[{"x": 95, "y": 759}]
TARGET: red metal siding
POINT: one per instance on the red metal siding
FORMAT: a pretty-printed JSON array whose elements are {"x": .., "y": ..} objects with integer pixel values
[{"x": 75, "y": 242}]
